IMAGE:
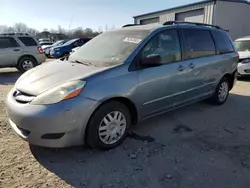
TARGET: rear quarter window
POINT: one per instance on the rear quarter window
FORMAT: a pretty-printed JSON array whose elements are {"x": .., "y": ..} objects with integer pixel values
[
  {"x": 28, "y": 41},
  {"x": 223, "y": 42}
]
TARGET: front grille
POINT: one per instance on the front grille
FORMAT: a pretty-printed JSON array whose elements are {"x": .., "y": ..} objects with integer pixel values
[
  {"x": 247, "y": 71},
  {"x": 22, "y": 97}
]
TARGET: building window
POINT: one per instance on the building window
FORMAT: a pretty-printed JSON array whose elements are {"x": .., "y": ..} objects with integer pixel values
[{"x": 150, "y": 21}]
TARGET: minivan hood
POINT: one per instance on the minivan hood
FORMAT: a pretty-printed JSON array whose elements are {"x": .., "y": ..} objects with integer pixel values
[
  {"x": 244, "y": 54},
  {"x": 49, "y": 75}
]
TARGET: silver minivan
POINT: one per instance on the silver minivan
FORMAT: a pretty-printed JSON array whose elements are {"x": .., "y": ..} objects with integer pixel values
[{"x": 119, "y": 78}]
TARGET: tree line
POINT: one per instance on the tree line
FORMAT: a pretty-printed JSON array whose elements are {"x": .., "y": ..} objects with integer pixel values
[{"x": 73, "y": 33}]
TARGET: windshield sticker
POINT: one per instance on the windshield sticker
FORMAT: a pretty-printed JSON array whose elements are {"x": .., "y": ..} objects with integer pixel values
[{"x": 132, "y": 40}]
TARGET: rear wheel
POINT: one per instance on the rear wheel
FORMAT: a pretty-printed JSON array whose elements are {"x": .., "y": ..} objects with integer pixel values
[
  {"x": 26, "y": 63},
  {"x": 108, "y": 126},
  {"x": 222, "y": 92}
]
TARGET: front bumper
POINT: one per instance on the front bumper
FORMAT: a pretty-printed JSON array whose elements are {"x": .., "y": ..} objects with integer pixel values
[
  {"x": 244, "y": 69},
  {"x": 55, "y": 54},
  {"x": 56, "y": 125}
]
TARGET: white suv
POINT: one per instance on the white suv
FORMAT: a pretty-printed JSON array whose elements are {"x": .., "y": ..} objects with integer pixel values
[
  {"x": 20, "y": 50},
  {"x": 243, "y": 47}
]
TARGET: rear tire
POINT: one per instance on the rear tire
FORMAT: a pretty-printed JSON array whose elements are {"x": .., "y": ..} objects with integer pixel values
[
  {"x": 26, "y": 63},
  {"x": 108, "y": 125},
  {"x": 221, "y": 93}
]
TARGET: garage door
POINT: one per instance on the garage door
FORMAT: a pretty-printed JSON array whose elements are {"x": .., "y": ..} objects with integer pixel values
[
  {"x": 149, "y": 21},
  {"x": 190, "y": 16}
]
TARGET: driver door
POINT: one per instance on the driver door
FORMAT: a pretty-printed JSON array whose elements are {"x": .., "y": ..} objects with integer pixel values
[{"x": 162, "y": 87}]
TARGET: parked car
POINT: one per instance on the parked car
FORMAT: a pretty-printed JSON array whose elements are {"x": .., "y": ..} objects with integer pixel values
[
  {"x": 243, "y": 48},
  {"x": 58, "y": 43},
  {"x": 44, "y": 40},
  {"x": 20, "y": 50},
  {"x": 45, "y": 44},
  {"x": 120, "y": 78},
  {"x": 66, "y": 48}
]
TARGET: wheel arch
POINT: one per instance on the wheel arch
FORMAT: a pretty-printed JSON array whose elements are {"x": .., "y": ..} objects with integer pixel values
[
  {"x": 127, "y": 102},
  {"x": 230, "y": 78},
  {"x": 26, "y": 55}
]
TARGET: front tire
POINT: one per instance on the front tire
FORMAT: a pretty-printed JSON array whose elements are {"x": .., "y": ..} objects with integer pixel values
[
  {"x": 221, "y": 92},
  {"x": 108, "y": 125}
]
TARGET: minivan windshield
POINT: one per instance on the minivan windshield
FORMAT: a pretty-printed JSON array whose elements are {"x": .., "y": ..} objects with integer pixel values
[
  {"x": 110, "y": 48},
  {"x": 242, "y": 45}
]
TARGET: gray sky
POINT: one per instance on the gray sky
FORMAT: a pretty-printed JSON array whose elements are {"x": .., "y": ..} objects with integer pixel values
[{"x": 92, "y": 13}]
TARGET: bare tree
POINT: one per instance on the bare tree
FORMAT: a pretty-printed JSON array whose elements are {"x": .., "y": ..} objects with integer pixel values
[
  {"x": 20, "y": 28},
  {"x": 77, "y": 33},
  {"x": 33, "y": 32}
]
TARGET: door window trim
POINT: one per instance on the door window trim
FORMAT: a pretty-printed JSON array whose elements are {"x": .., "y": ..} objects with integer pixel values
[
  {"x": 217, "y": 46},
  {"x": 14, "y": 40},
  {"x": 185, "y": 44},
  {"x": 135, "y": 64}
]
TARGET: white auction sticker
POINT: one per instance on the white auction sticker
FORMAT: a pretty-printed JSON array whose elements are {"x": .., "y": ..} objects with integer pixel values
[{"x": 132, "y": 40}]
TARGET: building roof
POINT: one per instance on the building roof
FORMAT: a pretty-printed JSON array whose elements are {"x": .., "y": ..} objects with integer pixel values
[{"x": 192, "y": 4}]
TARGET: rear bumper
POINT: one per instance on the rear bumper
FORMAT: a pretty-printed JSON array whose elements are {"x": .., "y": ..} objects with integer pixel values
[
  {"x": 244, "y": 69},
  {"x": 40, "y": 58},
  {"x": 56, "y": 125}
]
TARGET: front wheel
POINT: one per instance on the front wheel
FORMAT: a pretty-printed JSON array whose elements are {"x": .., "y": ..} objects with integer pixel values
[
  {"x": 221, "y": 92},
  {"x": 108, "y": 126}
]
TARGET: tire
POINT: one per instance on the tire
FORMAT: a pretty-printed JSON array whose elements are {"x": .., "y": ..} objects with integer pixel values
[
  {"x": 221, "y": 93},
  {"x": 64, "y": 55},
  {"x": 26, "y": 63},
  {"x": 100, "y": 133}
]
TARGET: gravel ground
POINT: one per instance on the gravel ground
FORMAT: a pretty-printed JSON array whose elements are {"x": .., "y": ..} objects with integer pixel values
[{"x": 199, "y": 146}]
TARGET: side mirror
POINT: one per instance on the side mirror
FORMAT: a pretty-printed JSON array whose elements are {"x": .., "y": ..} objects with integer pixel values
[{"x": 151, "y": 60}]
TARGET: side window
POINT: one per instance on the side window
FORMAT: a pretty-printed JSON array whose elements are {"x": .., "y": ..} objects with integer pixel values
[
  {"x": 223, "y": 42},
  {"x": 28, "y": 41},
  {"x": 166, "y": 44},
  {"x": 76, "y": 43},
  {"x": 199, "y": 43},
  {"x": 8, "y": 42}
]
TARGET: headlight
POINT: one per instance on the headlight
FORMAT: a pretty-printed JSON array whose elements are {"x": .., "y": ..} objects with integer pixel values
[
  {"x": 59, "y": 93},
  {"x": 245, "y": 61}
]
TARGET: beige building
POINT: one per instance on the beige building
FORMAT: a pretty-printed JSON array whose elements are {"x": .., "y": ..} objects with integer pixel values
[{"x": 231, "y": 15}]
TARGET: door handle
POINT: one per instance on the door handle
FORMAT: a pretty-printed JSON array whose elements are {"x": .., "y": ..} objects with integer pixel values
[
  {"x": 181, "y": 68},
  {"x": 16, "y": 50},
  {"x": 191, "y": 66}
]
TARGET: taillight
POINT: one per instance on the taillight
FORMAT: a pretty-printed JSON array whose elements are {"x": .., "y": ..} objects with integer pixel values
[{"x": 40, "y": 50}]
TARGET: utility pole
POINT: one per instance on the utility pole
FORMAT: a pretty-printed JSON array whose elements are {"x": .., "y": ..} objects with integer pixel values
[{"x": 70, "y": 21}]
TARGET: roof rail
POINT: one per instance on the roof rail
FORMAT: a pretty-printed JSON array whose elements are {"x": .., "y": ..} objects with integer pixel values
[
  {"x": 130, "y": 25},
  {"x": 191, "y": 23},
  {"x": 14, "y": 33}
]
